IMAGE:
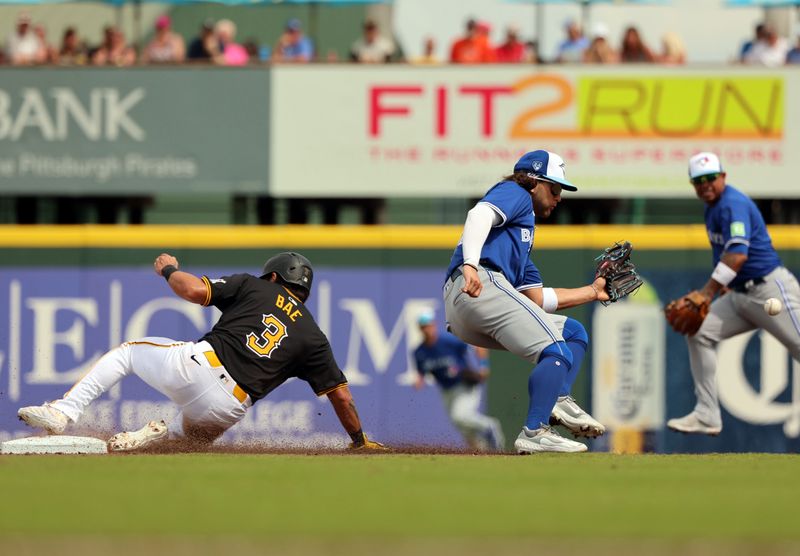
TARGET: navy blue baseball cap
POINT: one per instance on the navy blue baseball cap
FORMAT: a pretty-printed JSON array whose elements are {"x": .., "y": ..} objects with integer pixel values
[{"x": 546, "y": 165}]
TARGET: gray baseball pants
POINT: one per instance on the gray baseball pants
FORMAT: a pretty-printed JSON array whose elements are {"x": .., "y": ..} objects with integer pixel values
[
  {"x": 500, "y": 317},
  {"x": 735, "y": 313}
]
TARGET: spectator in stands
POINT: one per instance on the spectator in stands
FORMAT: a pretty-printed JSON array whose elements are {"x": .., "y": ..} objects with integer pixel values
[
  {"x": 231, "y": 53},
  {"x": 47, "y": 52},
  {"x": 428, "y": 56},
  {"x": 108, "y": 32},
  {"x": 483, "y": 32},
  {"x": 770, "y": 51},
  {"x": 114, "y": 50},
  {"x": 532, "y": 52},
  {"x": 253, "y": 49},
  {"x": 793, "y": 56},
  {"x": 372, "y": 47},
  {"x": 205, "y": 46},
  {"x": 633, "y": 50},
  {"x": 513, "y": 51},
  {"x": 22, "y": 46},
  {"x": 167, "y": 47},
  {"x": 600, "y": 51},
  {"x": 571, "y": 49},
  {"x": 746, "y": 47},
  {"x": 473, "y": 47},
  {"x": 293, "y": 45},
  {"x": 73, "y": 50},
  {"x": 673, "y": 50}
]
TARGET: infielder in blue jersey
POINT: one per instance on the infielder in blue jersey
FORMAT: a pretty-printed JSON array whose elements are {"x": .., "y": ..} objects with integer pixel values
[
  {"x": 494, "y": 298},
  {"x": 748, "y": 268},
  {"x": 458, "y": 370}
]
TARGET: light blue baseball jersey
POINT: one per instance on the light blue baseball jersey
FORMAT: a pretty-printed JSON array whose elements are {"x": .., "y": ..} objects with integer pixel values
[
  {"x": 445, "y": 360},
  {"x": 735, "y": 225},
  {"x": 507, "y": 248}
]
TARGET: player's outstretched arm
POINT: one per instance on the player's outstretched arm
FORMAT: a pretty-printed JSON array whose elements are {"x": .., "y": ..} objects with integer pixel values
[
  {"x": 185, "y": 285},
  {"x": 342, "y": 401},
  {"x": 570, "y": 297}
]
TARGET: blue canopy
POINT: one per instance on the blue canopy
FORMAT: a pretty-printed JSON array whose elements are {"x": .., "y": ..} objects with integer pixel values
[
  {"x": 226, "y": 2},
  {"x": 762, "y": 3}
]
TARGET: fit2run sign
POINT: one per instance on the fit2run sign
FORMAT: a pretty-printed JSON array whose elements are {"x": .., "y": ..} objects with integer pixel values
[{"x": 450, "y": 131}]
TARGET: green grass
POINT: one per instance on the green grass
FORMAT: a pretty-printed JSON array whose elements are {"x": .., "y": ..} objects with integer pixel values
[{"x": 740, "y": 502}]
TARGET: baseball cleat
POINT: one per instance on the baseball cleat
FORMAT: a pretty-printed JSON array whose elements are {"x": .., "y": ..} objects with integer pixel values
[
  {"x": 545, "y": 439},
  {"x": 128, "y": 441},
  {"x": 691, "y": 424},
  {"x": 569, "y": 414},
  {"x": 44, "y": 417}
]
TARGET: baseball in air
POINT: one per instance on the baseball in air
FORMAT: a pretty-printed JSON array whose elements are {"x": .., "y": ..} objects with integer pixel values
[{"x": 772, "y": 306}]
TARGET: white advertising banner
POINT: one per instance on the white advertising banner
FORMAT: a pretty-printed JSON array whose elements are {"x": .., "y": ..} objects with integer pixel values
[
  {"x": 628, "y": 375},
  {"x": 342, "y": 131}
]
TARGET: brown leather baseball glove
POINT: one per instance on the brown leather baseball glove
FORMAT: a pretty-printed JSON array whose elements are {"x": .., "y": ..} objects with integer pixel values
[{"x": 686, "y": 314}]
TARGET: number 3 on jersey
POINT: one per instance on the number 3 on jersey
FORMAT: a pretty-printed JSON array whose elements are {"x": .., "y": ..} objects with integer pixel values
[{"x": 270, "y": 339}]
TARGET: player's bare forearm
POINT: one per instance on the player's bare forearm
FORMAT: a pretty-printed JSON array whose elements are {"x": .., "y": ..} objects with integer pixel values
[
  {"x": 342, "y": 401},
  {"x": 185, "y": 285},
  {"x": 572, "y": 297},
  {"x": 733, "y": 260}
]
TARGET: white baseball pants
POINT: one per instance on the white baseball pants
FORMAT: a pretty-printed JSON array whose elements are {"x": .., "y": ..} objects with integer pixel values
[
  {"x": 463, "y": 406},
  {"x": 188, "y": 373}
]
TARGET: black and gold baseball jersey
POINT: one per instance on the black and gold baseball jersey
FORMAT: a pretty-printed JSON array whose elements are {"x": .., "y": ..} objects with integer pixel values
[{"x": 266, "y": 336}]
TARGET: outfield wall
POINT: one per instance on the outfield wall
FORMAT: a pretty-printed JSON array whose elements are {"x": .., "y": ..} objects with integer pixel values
[{"x": 68, "y": 294}]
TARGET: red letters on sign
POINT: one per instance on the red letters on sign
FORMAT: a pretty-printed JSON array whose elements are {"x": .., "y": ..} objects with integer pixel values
[
  {"x": 441, "y": 105},
  {"x": 486, "y": 94},
  {"x": 377, "y": 110}
]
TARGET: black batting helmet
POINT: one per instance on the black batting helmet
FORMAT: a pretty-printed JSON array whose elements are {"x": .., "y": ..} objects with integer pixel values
[{"x": 293, "y": 268}]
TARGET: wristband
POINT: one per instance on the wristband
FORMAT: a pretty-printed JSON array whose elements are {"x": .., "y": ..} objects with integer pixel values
[
  {"x": 723, "y": 274},
  {"x": 167, "y": 271},
  {"x": 549, "y": 300}
]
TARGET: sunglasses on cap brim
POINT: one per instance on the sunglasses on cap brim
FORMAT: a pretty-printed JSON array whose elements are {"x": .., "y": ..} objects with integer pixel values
[{"x": 700, "y": 180}]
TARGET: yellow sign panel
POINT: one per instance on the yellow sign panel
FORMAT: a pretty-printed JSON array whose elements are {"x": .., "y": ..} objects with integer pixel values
[{"x": 672, "y": 107}]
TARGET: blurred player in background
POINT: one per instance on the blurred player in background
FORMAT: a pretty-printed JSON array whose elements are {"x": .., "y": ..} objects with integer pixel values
[
  {"x": 750, "y": 271},
  {"x": 264, "y": 336},
  {"x": 459, "y": 371},
  {"x": 494, "y": 298}
]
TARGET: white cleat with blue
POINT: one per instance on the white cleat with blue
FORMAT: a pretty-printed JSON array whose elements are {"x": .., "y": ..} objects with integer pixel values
[
  {"x": 569, "y": 414},
  {"x": 545, "y": 439}
]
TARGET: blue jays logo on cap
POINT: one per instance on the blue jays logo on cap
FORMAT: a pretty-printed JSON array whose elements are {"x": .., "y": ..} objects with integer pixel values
[{"x": 546, "y": 165}]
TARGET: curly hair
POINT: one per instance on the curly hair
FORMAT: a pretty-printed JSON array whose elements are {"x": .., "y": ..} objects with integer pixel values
[{"x": 523, "y": 180}]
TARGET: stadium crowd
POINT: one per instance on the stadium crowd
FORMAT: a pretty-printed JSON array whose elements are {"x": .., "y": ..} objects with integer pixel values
[{"x": 215, "y": 43}]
